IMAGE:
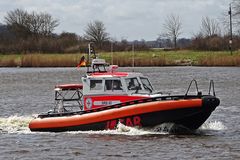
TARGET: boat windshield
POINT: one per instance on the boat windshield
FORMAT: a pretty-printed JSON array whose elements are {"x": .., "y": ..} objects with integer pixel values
[
  {"x": 146, "y": 84},
  {"x": 133, "y": 84}
]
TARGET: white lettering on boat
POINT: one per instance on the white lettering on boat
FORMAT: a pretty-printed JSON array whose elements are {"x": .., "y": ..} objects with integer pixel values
[{"x": 105, "y": 103}]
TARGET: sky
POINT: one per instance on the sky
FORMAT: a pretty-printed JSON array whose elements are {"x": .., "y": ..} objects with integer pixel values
[{"x": 123, "y": 19}]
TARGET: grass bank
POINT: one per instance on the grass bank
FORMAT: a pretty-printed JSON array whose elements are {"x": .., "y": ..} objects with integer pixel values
[
  {"x": 141, "y": 58},
  {"x": 40, "y": 60}
]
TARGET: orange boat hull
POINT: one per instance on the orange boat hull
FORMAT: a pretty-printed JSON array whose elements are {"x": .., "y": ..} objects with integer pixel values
[{"x": 143, "y": 114}]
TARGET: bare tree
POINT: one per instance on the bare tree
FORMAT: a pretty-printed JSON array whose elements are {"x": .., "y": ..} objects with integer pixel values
[
  {"x": 18, "y": 22},
  {"x": 173, "y": 26},
  {"x": 210, "y": 27},
  {"x": 236, "y": 14},
  {"x": 47, "y": 24},
  {"x": 96, "y": 32},
  {"x": 42, "y": 24},
  {"x": 25, "y": 24}
]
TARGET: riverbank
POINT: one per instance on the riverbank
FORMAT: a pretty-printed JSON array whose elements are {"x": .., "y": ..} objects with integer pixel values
[{"x": 124, "y": 59}]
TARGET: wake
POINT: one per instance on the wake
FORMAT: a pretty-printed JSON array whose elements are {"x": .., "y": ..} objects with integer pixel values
[
  {"x": 19, "y": 124},
  {"x": 162, "y": 129},
  {"x": 15, "y": 124}
]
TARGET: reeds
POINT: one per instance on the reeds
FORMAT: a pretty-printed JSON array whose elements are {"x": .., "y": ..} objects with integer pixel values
[
  {"x": 139, "y": 59},
  {"x": 214, "y": 60},
  {"x": 51, "y": 60},
  {"x": 126, "y": 59},
  {"x": 9, "y": 61}
]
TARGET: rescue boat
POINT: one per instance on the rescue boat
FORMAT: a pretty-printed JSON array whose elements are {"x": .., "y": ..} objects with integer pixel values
[{"x": 107, "y": 97}]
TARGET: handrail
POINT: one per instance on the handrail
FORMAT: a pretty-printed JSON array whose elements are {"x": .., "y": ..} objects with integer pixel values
[
  {"x": 191, "y": 85},
  {"x": 119, "y": 105},
  {"x": 211, "y": 87}
]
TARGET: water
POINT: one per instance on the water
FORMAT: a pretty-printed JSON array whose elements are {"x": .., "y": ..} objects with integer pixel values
[{"x": 26, "y": 92}]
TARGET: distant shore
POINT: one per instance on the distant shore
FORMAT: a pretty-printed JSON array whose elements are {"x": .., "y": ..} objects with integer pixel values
[{"x": 125, "y": 59}]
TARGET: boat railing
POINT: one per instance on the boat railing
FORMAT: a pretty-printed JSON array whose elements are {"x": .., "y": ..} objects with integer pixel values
[
  {"x": 119, "y": 105},
  {"x": 68, "y": 97},
  {"x": 211, "y": 88},
  {"x": 196, "y": 85}
]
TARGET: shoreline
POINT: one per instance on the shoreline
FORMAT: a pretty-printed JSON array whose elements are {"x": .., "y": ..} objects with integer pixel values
[{"x": 125, "y": 59}]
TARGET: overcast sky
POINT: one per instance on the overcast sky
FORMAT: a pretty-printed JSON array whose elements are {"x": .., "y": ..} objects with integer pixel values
[{"x": 123, "y": 19}]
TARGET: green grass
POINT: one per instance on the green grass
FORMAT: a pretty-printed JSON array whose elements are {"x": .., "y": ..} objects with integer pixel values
[
  {"x": 141, "y": 58},
  {"x": 182, "y": 57}
]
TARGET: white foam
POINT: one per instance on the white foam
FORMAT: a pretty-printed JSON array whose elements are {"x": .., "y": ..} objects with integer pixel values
[
  {"x": 121, "y": 129},
  {"x": 19, "y": 124},
  {"x": 215, "y": 125},
  {"x": 15, "y": 124},
  {"x": 162, "y": 129}
]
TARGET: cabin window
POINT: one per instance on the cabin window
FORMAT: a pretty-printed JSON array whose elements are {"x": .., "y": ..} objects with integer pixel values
[
  {"x": 96, "y": 85},
  {"x": 113, "y": 85},
  {"x": 146, "y": 84},
  {"x": 133, "y": 84}
]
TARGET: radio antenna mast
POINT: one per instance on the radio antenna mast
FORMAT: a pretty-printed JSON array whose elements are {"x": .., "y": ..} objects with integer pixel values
[{"x": 133, "y": 57}]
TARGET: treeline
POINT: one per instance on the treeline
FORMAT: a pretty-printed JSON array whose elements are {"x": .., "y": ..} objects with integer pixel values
[
  {"x": 211, "y": 37},
  {"x": 32, "y": 32},
  {"x": 214, "y": 43}
]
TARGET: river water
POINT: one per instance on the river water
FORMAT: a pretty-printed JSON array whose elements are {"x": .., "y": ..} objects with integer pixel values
[{"x": 25, "y": 92}]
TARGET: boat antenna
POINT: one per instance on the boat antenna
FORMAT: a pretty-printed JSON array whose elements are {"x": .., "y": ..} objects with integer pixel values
[
  {"x": 133, "y": 56},
  {"x": 90, "y": 51},
  {"x": 112, "y": 52},
  {"x": 230, "y": 30}
]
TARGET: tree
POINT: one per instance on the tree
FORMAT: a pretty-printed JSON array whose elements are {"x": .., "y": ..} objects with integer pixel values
[
  {"x": 236, "y": 14},
  {"x": 18, "y": 22},
  {"x": 210, "y": 27},
  {"x": 96, "y": 32},
  {"x": 68, "y": 40},
  {"x": 46, "y": 23},
  {"x": 173, "y": 26},
  {"x": 25, "y": 24}
]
